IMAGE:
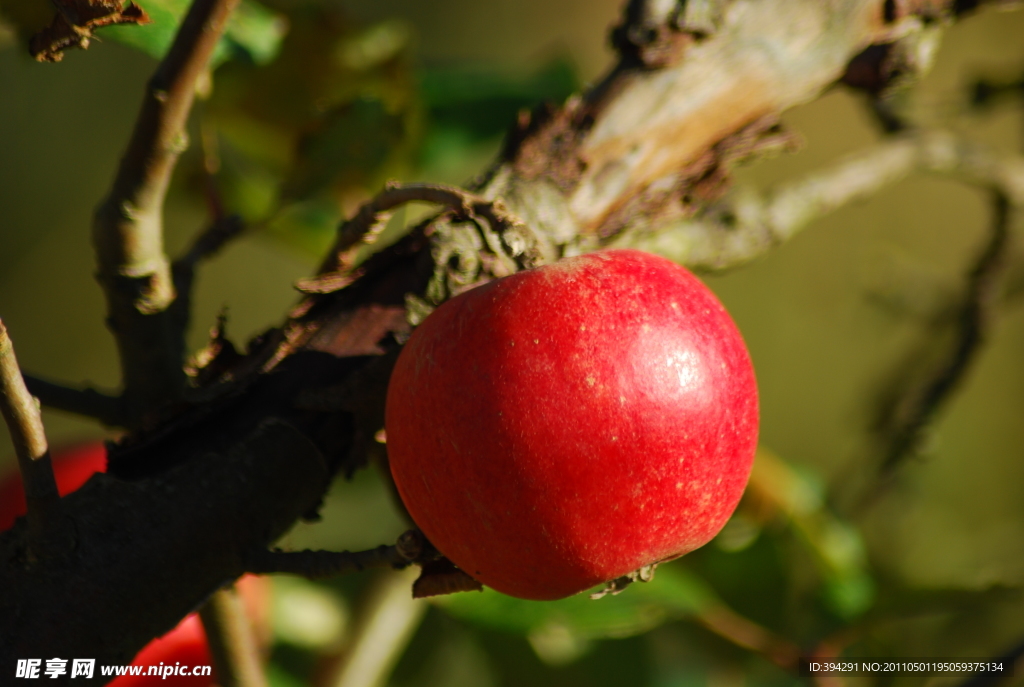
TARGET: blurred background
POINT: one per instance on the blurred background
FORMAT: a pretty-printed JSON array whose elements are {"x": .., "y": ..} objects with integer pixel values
[{"x": 315, "y": 104}]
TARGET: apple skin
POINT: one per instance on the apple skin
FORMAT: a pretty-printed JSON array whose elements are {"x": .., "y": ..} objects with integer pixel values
[{"x": 570, "y": 424}]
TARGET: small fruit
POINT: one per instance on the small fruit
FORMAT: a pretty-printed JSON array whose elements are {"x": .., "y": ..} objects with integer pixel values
[{"x": 570, "y": 424}]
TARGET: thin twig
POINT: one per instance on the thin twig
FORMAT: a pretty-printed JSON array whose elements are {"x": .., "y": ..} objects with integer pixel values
[
  {"x": 384, "y": 624},
  {"x": 209, "y": 241},
  {"x": 364, "y": 228},
  {"x": 411, "y": 547},
  {"x": 745, "y": 633},
  {"x": 47, "y": 531},
  {"x": 128, "y": 228},
  {"x": 87, "y": 402},
  {"x": 920, "y": 404},
  {"x": 322, "y": 564},
  {"x": 233, "y": 646},
  {"x": 995, "y": 678},
  {"x": 747, "y": 224}
]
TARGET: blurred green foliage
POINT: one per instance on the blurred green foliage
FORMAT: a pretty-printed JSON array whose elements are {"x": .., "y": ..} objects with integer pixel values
[
  {"x": 313, "y": 105},
  {"x": 254, "y": 33}
]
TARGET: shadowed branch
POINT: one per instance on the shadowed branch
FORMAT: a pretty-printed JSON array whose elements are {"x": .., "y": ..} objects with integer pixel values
[
  {"x": 87, "y": 402},
  {"x": 128, "y": 227},
  {"x": 907, "y": 416}
]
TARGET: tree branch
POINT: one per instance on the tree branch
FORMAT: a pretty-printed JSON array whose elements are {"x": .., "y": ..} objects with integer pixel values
[
  {"x": 633, "y": 147},
  {"x": 336, "y": 272},
  {"x": 745, "y": 633},
  {"x": 236, "y": 657},
  {"x": 906, "y": 417},
  {"x": 87, "y": 402},
  {"x": 128, "y": 226},
  {"x": 410, "y": 548},
  {"x": 159, "y": 545},
  {"x": 48, "y": 533},
  {"x": 746, "y": 224},
  {"x": 384, "y": 624},
  {"x": 996, "y": 678},
  {"x": 110, "y": 410}
]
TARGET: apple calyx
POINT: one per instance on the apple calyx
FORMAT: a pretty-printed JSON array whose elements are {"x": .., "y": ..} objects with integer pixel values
[{"x": 619, "y": 584}]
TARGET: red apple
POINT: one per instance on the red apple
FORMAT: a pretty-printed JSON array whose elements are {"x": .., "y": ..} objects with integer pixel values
[{"x": 570, "y": 424}]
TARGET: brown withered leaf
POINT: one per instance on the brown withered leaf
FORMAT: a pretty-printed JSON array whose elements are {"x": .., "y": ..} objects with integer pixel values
[
  {"x": 214, "y": 362},
  {"x": 74, "y": 23},
  {"x": 442, "y": 577}
]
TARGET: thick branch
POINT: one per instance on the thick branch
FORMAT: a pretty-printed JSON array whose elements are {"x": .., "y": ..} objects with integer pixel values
[
  {"x": 128, "y": 227},
  {"x": 149, "y": 550},
  {"x": 631, "y": 147}
]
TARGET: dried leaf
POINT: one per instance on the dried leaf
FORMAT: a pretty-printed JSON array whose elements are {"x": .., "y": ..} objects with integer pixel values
[{"x": 74, "y": 23}]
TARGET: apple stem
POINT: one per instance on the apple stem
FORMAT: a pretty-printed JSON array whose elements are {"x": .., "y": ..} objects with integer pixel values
[
  {"x": 233, "y": 647},
  {"x": 48, "y": 532}
]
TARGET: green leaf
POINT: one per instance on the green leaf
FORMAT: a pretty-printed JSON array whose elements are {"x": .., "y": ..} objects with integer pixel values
[
  {"x": 254, "y": 32},
  {"x": 483, "y": 102},
  {"x": 470, "y": 106},
  {"x": 838, "y": 546},
  {"x": 279, "y": 677},
  {"x": 350, "y": 146},
  {"x": 308, "y": 225}
]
